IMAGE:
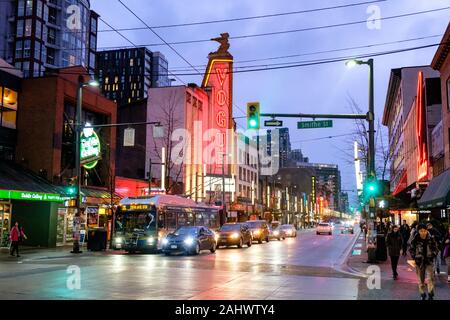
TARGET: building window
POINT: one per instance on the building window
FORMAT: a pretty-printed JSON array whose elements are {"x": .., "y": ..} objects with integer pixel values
[
  {"x": 39, "y": 8},
  {"x": 19, "y": 28},
  {"x": 21, "y": 8},
  {"x": 107, "y": 80},
  {"x": 27, "y": 48},
  {"x": 29, "y": 10},
  {"x": 116, "y": 79},
  {"x": 131, "y": 62},
  {"x": 19, "y": 52},
  {"x": 27, "y": 27}
]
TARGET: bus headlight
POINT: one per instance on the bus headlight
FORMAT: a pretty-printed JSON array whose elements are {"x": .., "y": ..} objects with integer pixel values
[
  {"x": 189, "y": 241},
  {"x": 151, "y": 240},
  {"x": 119, "y": 240}
]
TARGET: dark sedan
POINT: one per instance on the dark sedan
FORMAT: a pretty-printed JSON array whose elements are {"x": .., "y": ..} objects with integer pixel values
[
  {"x": 234, "y": 234},
  {"x": 189, "y": 240}
]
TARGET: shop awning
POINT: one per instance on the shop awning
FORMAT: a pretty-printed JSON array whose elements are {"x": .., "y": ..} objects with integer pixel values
[
  {"x": 21, "y": 184},
  {"x": 437, "y": 194}
]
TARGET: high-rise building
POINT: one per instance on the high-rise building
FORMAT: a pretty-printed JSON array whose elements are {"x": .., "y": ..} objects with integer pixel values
[
  {"x": 36, "y": 34},
  {"x": 297, "y": 156},
  {"x": 126, "y": 75},
  {"x": 327, "y": 183},
  {"x": 284, "y": 145}
]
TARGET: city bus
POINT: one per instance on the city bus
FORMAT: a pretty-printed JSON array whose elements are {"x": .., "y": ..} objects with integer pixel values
[{"x": 142, "y": 222}]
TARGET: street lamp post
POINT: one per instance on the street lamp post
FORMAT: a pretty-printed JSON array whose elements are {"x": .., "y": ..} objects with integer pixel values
[
  {"x": 371, "y": 174},
  {"x": 78, "y": 128}
]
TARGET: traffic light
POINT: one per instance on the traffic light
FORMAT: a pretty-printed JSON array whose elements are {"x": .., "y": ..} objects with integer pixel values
[
  {"x": 372, "y": 188},
  {"x": 253, "y": 115},
  {"x": 71, "y": 188}
]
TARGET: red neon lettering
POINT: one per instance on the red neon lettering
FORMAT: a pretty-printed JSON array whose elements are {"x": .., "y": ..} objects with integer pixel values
[
  {"x": 221, "y": 97},
  {"x": 221, "y": 75},
  {"x": 221, "y": 119}
]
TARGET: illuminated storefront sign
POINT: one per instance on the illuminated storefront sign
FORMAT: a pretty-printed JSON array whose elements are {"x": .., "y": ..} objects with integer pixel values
[
  {"x": 90, "y": 148},
  {"x": 31, "y": 196},
  {"x": 422, "y": 149},
  {"x": 219, "y": 78}
]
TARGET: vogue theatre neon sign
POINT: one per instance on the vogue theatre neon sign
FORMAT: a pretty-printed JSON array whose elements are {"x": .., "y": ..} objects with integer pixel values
[
  {"x": 421, "y": 126},
  {"x": 218, "y": 77}
]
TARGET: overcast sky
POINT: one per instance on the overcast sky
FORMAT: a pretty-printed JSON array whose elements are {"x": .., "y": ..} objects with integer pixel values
[{"x": 322, "y": 88}]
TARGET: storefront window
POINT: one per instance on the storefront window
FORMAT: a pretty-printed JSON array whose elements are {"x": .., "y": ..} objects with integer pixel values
[
  {"x": 8, "y": 108},
  {"x": 5, "y": 223}
]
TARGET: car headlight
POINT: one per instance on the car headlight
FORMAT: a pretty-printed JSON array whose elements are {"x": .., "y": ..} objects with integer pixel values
[
  {"x": 165, "y": 241},
  {"x": 189, "y": 241},
  {"x": 256, "y": 232},
  {"x": 289, "y": 232},
  {"x": 276, "y": 233},
  {"x": 234, "y": 236},
  {"x": 150, "y": 240},
  {"x": 216, "y": 236},
  {"x": 119, "y": 240}
]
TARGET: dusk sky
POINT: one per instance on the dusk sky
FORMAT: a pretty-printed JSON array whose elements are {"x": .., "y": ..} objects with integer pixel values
[{"x": 323, "y": 88}]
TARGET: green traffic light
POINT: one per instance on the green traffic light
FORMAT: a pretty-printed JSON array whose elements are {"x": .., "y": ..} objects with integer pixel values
[
  {"x": 371, "y": 188},
  {"x": 253, "y": 123}
]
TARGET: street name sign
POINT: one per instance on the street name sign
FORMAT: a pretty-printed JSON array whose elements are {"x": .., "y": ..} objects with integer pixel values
[
  {"x": 273, "y": 123},
  {"x": 315, "y": 124}
]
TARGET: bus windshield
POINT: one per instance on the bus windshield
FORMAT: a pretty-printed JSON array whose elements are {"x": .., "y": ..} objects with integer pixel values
[{"x": 136, "y": 221}]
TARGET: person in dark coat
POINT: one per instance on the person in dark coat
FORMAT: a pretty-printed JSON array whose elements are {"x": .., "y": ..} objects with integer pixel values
[
  {"x": 434, "y": 232},
  {"x": 423, "y": 250},
  {"x": 405, "y": 231},
  {"x": 394, "y": 243}
]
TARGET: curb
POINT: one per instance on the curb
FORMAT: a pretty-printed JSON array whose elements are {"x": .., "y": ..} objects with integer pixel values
[{"x": 343, "y": 266}]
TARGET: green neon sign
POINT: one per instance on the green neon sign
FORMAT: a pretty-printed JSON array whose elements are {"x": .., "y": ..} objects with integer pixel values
[
  {"x": 90, "y": 148},
  {"x": 31, "y": 196}
]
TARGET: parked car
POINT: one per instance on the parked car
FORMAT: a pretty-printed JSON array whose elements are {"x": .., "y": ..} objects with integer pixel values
[
  {"x": 189, "y": 240},
  {"x": 276, "y": 233},
  {"x": 324, "y": 227},
  {"x": 288, "y": 230},
  {"x": 259, "y": 229},
  {"x": 234, "y": 234}
]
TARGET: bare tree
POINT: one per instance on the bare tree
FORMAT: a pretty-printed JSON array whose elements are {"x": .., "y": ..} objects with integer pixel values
[
  {"x": 170, "y": 122},
  {"x": 359, "y": 134}
]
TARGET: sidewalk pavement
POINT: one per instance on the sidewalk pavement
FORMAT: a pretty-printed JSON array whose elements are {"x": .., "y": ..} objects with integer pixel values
[
  {"x": 39, "y": 253},
  {"x": 405, "y": 287}
]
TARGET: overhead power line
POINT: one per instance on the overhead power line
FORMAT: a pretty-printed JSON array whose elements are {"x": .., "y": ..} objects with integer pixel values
[
  {"x": 289, "y": 31},
  {"x": 156, "y": 34},
  {"x": 251, "y": 17},
  {"x": 298, "y": 64}
]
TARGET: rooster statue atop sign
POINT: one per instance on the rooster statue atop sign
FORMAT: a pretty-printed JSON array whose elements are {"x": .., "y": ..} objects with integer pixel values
[{"x": 224, "y": 44}]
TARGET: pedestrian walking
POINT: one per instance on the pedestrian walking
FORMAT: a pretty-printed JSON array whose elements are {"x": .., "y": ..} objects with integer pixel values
[
  {"x": 447, "y": 252},
  {"x": 16, "y": 235},
  {"x": 405, "y": 232},
  {"x": 423, "y": 250},
  {"x": 413, "y": 232},
  {"x": 394, "y": 243},
  {"x": 434, "y": 232}
]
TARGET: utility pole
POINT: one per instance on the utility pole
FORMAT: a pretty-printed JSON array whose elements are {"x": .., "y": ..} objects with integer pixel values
[
  {"x": 223, "y": 184},
  {"x": 149, "y": 176}
]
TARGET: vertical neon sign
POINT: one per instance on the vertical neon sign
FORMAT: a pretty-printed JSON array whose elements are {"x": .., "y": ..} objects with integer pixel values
[
  {"x": 422, "y": 158},
  {"x": 219, "y": 79}
]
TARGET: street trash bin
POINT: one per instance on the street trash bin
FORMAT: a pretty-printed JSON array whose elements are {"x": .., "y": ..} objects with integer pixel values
[{"x": 97, "y": 239}]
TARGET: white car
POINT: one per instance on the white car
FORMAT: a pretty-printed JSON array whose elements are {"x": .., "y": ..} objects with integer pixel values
[{"x": 324, "y": 228}]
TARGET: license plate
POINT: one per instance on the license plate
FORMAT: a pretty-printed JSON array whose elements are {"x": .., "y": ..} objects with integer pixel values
[{"x": 173, "y": 246}]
